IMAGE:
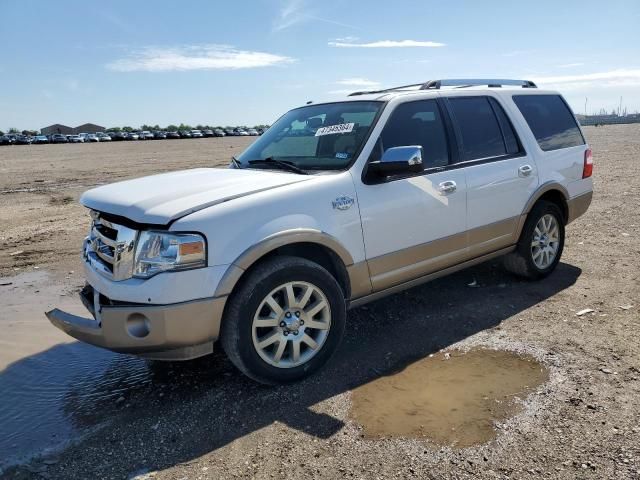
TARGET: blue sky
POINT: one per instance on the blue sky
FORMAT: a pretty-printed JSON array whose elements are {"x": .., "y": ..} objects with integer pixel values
[{"x": 123, "y": 63}]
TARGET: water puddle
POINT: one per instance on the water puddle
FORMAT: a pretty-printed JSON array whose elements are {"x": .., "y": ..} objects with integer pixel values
[
  {"x": 452, "y": 399},
  {"x": 52, "y": 387}
]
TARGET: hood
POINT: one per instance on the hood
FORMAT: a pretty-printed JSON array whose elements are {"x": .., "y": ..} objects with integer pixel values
[{"x": 160, "y": 199}]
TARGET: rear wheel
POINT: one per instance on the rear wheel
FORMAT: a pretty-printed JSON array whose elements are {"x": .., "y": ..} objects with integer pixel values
[
  {"x": 541, "y": 243},
  {"x": 285, "y": 321}
]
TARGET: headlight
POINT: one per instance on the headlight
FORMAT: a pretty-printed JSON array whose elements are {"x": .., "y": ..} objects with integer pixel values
[{"x": 158, "y": 252}]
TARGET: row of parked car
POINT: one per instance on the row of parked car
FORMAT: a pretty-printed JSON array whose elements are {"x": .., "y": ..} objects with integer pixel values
[{"x": 19, "y": 139}]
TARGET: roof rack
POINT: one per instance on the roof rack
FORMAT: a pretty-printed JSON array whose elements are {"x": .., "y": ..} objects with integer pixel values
[
  {"x": 385, "y": 90},
  {"x": 466, "y": 82},
  {"x": 455, "y": 82}
]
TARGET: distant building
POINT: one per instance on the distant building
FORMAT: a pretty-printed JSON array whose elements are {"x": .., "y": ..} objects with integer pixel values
[
  {"x": 88, "y": 128},
  {"x": 57, "y": 128},
  {"x": 65, "y": 130}
]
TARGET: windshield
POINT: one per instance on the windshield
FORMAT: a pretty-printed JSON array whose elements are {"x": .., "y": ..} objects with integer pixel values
[{"x": 317, "y": 137}]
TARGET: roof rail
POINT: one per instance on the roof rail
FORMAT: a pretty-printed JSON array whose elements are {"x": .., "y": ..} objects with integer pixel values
[
  {"x": 454, "y": 82},
  {"x": 472, "y": 82},
  {"x": 385, "y": 90}
]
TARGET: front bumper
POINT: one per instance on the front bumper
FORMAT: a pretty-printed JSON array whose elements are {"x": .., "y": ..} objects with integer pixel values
[{"x": 178, "y": 331}]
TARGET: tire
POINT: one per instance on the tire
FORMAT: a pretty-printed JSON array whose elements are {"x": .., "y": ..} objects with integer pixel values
[
  {"x": 529, "y": 259},
  {"x": 261, "y": 341}
]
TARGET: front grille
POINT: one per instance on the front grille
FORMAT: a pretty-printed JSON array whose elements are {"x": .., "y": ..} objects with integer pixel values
[
  {"x": 104, "y": 243},
  {"x": 110, "y": 248}
]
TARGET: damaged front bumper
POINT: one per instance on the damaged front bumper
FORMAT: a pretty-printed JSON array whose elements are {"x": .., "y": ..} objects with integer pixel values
[{"x": 179, "y": 331}]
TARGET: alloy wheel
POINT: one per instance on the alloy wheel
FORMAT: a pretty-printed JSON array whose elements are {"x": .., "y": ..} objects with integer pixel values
[
  {"x": 545, "y": 242},
  {"x": 291, "y": 324}
]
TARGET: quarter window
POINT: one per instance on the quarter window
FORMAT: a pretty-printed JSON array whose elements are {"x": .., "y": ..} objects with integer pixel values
[
  {"x": 417, "y": 123},
  {"x": 510, "y": 138},
  {"x": 479, "y": 128},
  {"x": 550, "y": 120}
]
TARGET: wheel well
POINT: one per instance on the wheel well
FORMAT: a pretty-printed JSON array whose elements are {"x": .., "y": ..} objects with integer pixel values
[
  {"x": 314, "y": 252},
  {"x": 556, "y": 197}
]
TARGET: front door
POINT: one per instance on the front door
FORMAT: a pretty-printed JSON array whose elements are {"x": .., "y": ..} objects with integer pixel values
[{"x": 414, "y": 225}]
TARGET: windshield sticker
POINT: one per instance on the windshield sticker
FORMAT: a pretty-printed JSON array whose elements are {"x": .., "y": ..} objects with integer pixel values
[
  {"x": 333, "y": 129},
  {"x": 342, "y": 155}
]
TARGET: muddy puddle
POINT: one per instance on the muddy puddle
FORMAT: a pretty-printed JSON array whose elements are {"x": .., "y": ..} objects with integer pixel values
[
  {"x": 52, "y": 387},
  {"x": 451, "y": 399}
]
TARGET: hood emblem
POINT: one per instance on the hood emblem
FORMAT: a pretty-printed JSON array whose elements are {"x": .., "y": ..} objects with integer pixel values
[{"x": 342, "y": 203}]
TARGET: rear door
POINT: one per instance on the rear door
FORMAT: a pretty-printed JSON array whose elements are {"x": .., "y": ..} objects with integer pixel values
[{"x": 501, "y": 175}]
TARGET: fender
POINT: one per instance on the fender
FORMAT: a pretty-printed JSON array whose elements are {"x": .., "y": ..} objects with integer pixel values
[
  {"x": 358, "y": 273},
  {"x": 540, "y": 191}
]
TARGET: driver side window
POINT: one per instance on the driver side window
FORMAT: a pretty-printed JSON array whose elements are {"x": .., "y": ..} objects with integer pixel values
[{"x": 416, "y": 123}]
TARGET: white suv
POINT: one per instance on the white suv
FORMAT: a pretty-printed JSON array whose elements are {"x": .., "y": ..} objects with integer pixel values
[{"x": 337, "y": 204}]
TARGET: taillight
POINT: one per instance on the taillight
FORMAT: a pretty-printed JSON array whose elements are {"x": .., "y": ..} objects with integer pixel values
[{"x": 587, "y": 169}]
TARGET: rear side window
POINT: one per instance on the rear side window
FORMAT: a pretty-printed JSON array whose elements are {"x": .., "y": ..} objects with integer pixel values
[
  {"x": 479, "y": 127},
  {"x": 550, "y": 120}
]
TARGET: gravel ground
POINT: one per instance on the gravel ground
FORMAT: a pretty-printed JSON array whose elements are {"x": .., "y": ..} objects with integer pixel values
[{"x": 204, "y": 420}]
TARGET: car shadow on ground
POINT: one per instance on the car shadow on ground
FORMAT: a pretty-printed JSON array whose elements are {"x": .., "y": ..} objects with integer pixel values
[{"x": 186, "y": 410}]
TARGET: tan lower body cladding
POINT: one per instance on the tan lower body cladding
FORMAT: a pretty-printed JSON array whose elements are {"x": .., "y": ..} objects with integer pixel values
[
  {"x": 413, "y": 262},
  {"x": 577, "y": 206}
]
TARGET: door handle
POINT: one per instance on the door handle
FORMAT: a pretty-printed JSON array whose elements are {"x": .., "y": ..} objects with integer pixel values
[
  {"x": 448, "y": 186},
  {"x": 525, "y": 170}
]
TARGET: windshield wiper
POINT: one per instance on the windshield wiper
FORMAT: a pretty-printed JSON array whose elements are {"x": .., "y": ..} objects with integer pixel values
[
  {"x": 235, "y": 162},
  {"x": 283, "y": 165}
]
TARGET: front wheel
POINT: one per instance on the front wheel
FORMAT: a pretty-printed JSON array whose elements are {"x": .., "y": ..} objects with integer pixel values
[
  {"x": 541, "y": 243},
  {"x": 285, "y": 321}
]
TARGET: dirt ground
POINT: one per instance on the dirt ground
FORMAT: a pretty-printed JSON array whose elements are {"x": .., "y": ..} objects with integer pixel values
[
  {"x": 40, "y": 186},
  {"x": 204, "y": 420}
]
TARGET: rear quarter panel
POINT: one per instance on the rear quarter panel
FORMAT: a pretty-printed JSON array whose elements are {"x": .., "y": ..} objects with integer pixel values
[{"x": 563, "y": 166}]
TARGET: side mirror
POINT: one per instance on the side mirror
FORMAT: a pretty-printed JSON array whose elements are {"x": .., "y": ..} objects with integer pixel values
[{"x": 398, "y": 160}]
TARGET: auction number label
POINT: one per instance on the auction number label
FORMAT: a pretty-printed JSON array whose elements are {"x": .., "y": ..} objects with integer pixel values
[{"x": 333, "y": 129}]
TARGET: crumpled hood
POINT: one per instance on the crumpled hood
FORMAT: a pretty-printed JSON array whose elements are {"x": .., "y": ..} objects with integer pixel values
[{"x": 159, "y": 199}]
